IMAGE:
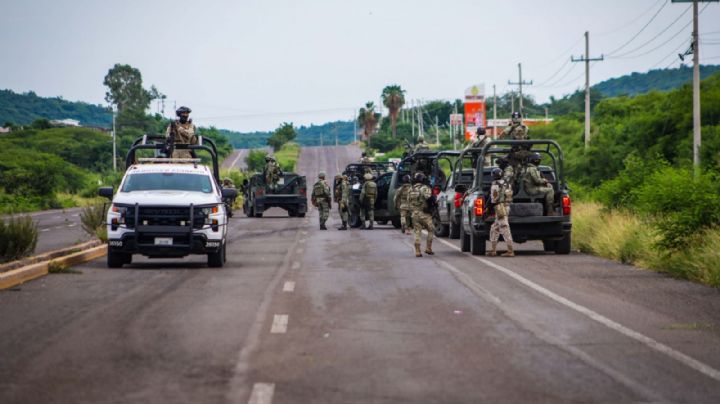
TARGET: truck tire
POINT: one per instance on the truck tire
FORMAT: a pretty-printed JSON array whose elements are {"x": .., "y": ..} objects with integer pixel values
[
  {"x": 549, "y": 245},
  {"x": 464, "y": 240},
  {"x": 301, "y": 214},
  {"x": 382, "y": 222},
  {"x": 441, "y": 230},
  {"x": 117, "y": 259},
  {"x": 258, "y": 214},
  {"x": 454, "y": 230},
  {"x": 217, "y": 259},
  {"x": 563, "y": 246},
  {"x": 477, "y": 245},
  {"x": 292, "y": 213},
  {"x": 250, "y": 212},
  {"x": 396, "y": 223}
]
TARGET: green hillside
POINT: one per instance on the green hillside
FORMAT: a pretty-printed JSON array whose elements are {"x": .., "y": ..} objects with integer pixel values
[
  {"x": 306, "y": 135},
  {"x": 660, "y": 80},
  {"x": 23, "y": 109}
]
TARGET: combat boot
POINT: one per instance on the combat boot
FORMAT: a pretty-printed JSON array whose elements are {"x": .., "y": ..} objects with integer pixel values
[
  {"x": 510, "y": 252},
  {"x": 417, "y": 250},
  {"x": 343, "y": 227},
  {"x": 371, "y": 226},
  {"x": 322, "y": 226},
  {"x": 493, "y": 249},
  {"x": 362, "y": 226},
  {"x": 428, "y": 249}
]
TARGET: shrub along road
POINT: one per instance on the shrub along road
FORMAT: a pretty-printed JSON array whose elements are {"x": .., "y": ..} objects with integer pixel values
[{"x": 302, "y": 315}]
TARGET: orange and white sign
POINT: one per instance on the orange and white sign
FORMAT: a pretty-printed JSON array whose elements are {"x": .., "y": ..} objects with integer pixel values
[{"x": 475, "y": 115}]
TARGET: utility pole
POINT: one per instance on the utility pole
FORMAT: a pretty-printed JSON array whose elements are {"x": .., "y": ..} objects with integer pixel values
[
  {"x": 454, "y": 135},
  {"x": 494, "y": 113},
  {"x": 437, "y": 131},
  {"x": 412, "y": 117},
  {"x": 587, "y": 59},
  {"x": 114, "y": 141},
  {"x": 355, "y": 119},
  {"x": 512, "y": 101},
  {"x": 520, "y": 83}
]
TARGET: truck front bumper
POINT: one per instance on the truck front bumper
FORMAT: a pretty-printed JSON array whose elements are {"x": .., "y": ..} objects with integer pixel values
[{"x": 164, "y": 244}]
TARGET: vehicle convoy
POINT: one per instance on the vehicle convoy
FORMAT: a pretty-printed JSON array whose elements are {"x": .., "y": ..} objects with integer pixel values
[
  {"x": 383, "y": 174},
  {"x": 447, "y": 219},
  {"x": 527, "y": 218},
  {"x": 168, "y": 207},
  {"x": 291, "y": 195}
]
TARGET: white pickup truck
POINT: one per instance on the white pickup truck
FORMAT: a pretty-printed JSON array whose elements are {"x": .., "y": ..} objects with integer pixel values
[{"x": 167, "y": 208}]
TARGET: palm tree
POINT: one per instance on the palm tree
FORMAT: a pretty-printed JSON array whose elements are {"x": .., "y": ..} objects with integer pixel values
[
  {"x": 393, "y": 98},
  {"x": 368, "y": 119}
]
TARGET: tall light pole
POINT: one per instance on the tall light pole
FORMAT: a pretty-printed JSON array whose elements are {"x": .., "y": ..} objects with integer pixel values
[
  {"x": 587, "y": 59},
  {"x": 114, "y": 136}
]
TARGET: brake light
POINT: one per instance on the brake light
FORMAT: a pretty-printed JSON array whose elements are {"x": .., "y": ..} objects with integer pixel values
[
  {"x": 479, "y": 206},
  {"x": 260, "y": 191},
  {"x": 303, "y": 191},
  {"x": 566, "y": 205},
  {"x": 436, "y": 190},
  {"x": 458, "y": 199}
]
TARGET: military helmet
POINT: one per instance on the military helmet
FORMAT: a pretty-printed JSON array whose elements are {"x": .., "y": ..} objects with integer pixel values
[
  {"x": 421, "y": 138},
  {"x": 419, "y": 177},
  {"x": 364, "y": 154},
  {"x": 534, "y": 158},
  {"x": 502, "y": 162},
  {"x": 368, "y": 177},
  {"x": 497, "y": 173},
  {"x": 406, "y": 179},
  {"x": 321, "y": 174},
  {"x": 182, "y": 110},
  {"x": 481, "y": 131},
  {"x": 516, "y": 117},
  {"x": 338, "y": 176}
]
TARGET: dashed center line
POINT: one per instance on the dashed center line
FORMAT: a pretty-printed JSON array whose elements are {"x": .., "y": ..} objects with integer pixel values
[
  {"x": 289, "y": 286},
  {"x": 279, "y": 324},
  {"x": 262, "y": 393}
]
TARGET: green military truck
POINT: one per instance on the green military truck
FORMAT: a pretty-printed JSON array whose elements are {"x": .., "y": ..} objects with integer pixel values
[{"x": 291, "y": 195}]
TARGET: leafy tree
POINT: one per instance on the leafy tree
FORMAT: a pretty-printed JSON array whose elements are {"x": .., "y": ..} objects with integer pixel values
[
  {"x": 368, "y": 119},
  {"x": 125, "y": 90},
  {"x": 285, "y": 133},
  {"x": 41, "y": 123},
  {"x": 393, "y": 98},
  {"x": 255, "y": 160}
]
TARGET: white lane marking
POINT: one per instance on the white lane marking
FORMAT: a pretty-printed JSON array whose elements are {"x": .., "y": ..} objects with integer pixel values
[
  {"x": 296, "y": 265},
  {"x": 289, "y": 286},
  {"x": 279, "y": 324},
  {"x": 72, "y": 225},
  {"x": 240, "y": 153},
  {"x": 470, "y": 283},
  {"x": 76, "y": 215},
  {"x": 647, "y": 341},
  {"x": 262, "y": 393},
  {"x": 45, "y": 230}
]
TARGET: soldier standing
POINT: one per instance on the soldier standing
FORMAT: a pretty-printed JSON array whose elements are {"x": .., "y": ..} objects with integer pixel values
[
  {"x": 342, "y": 197},
  {"x": 321, "y": 199},
  {"x": 500, "y": 198},
  {"x": 535, "y": 184},
  {"x": 421, "y": 145},
  {"x": 402, "y": 203},
  {"x": 516, "y": 130},
  {"x": 368, "y": 193},
  {"x": 421, "y": 202},
  {"x": 272, "y": 172},
  {"x": 183, "y": 131},
  {"x": 364, "y": 159},
  {"x": 480, "y": 140},
  {"x": 507, "y": 169}
]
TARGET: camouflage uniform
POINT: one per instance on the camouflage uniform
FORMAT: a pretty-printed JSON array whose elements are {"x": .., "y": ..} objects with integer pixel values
[
  {"x": 509, "y": 174},
  {"x": 421, "y": 146},
  {"x": 516, "y": 132},
  {"x": 368, "y": 194},
  {"x": 272, "y": 173},
  {"x": 185, "y": 134},
  {"x": 321, "y": 200},
  {"x": 418, "y": 196},
  {"x": 365, "y": 160},
  {"x": 342, "y": 198},
  {"x": 402, "y": 203},
  {"x": 500, "y": 197},
  {"x": 535, "y": 185}
]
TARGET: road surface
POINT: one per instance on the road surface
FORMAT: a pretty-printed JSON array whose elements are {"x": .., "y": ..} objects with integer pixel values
[
  {"x": 300, "y": 315},
  {"x": 58, "y": 228},
  {"x": 236, "y": 159}
]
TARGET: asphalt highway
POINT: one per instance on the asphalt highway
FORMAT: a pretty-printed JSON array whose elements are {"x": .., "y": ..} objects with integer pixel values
[
  {"x": 58, "y": 228},
  {"x": 300, "y": 315}
]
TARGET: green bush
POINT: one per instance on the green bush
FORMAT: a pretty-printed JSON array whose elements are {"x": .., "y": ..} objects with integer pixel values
[
  {"x": 680, "y": 205},
  {"x": 255, "y": 160},
  {"x": 18, "y": 238},
  {"x": 92, "y": 220},
  {"x": 621, "y": 190}
]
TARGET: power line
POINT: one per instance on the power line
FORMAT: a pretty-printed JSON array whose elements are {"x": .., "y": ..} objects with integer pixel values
[
  {"x": 657, "y": 47},
  {"x": 567, "y": 61},
  {"x": 630, "y": 22},
  {"x": 656, "y": 36},
  {"x": 639, "y": 32},
  {"x": 560, "y": 79},
  {"x": 684, "y": 44}
]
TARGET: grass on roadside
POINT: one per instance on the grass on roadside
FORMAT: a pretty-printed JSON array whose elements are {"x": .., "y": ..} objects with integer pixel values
[
  {"x": 627, "y": 238},
  {"x": 287, "y": 156}
]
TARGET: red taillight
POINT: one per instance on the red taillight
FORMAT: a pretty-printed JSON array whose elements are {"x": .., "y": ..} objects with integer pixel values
[
  {"x": 303, "y": 191},
  {"x": 436, "y": 190},
  {"x": 479, "y": 207},
  {"x": 566, "y": 205},
  {"x": 458, "y": 199},
  {"x": 260, "y": 191}
]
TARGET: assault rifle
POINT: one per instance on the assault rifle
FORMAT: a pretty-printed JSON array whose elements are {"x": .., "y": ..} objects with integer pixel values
[{"x": 170, "y": 140}]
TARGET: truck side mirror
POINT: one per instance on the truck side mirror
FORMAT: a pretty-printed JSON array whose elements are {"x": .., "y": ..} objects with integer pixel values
[
  {"x": 106, "y": 192},
  {"x": 229, "y": 193}
]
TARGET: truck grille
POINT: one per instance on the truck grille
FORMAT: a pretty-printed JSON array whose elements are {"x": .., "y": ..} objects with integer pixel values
[{"x": 165, "y": 216}]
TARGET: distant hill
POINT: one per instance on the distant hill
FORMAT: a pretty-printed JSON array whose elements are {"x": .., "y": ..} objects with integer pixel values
[
  {"x": 23, "y": 109},
  {"x": 661, "y": 80},
  {"x": 307, "y": 135}
]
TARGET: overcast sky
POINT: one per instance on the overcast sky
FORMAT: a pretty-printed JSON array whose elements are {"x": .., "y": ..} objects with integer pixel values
[{"x": 251, "y": 64}]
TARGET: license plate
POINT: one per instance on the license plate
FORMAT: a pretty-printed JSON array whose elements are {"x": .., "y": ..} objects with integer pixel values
[{"x": 163, "y": 240}]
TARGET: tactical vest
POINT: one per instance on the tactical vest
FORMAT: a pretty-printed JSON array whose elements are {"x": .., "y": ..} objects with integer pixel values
[
  {"x": 505, "y": 193},
  {"x": 415, "y": 197},
  {"x": 318, "y": 190},
  {"x": 370, "y": 190}
]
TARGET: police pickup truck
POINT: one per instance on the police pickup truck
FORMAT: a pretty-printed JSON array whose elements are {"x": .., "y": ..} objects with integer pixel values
[
  {"x": 167, "y": 207},
  {"x": 527, "y": 219}
]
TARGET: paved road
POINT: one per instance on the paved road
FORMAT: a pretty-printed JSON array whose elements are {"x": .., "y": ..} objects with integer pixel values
[
  {"x": 237, "y": 159},
  {"x": 58, "y": 229},
  {"x": 300, "y": 315}
]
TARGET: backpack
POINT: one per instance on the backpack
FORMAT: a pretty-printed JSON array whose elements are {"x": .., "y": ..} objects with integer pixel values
[
  {"x": 370, "y": 190},
  {"x": 318, "y": 190}
]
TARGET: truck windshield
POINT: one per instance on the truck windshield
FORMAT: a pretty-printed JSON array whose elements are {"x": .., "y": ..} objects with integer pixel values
[{"x": 167, "y": 182}]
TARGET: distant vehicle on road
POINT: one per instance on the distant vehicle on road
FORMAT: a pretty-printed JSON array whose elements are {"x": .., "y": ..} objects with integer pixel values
[
  {"x": 291, "y": 195},
  {"x": 383, "y": 173},
  {"x": 167, "y": 207},
  {"x": 527, "y": 219}
]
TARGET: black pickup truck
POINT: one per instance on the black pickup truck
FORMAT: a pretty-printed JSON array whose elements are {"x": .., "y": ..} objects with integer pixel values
[
  {"x": 291, "y": 195},
  {"x": 527, "y": 219},
  {"x": 383, "y": 173}
]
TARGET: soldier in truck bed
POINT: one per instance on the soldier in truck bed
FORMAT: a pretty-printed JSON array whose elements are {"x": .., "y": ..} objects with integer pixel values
[{"x": 184, "y": 131}]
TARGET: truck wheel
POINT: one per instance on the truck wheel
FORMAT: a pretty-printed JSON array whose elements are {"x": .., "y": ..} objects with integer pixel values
[
  {"x": 454, "y": 230},
  {"x": 441, "y": 230},
  {"x": 382, "y": 222},
  {"x": 292, "y": 213},
  {"x": 250, "y": 212},
  {"x": 464, "y": 240},
  {"x": 477, "y": 245},
  {"x": 396, "y": 223},
  {"x": 216, "y": 259},
  {"x": 301, "y": 214},
  {"x": 258, "y": 214},
  {"x": 549, "y": 245},
  {"x": 116, "y": 259},
  {"x": 563, "y": 246}
]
